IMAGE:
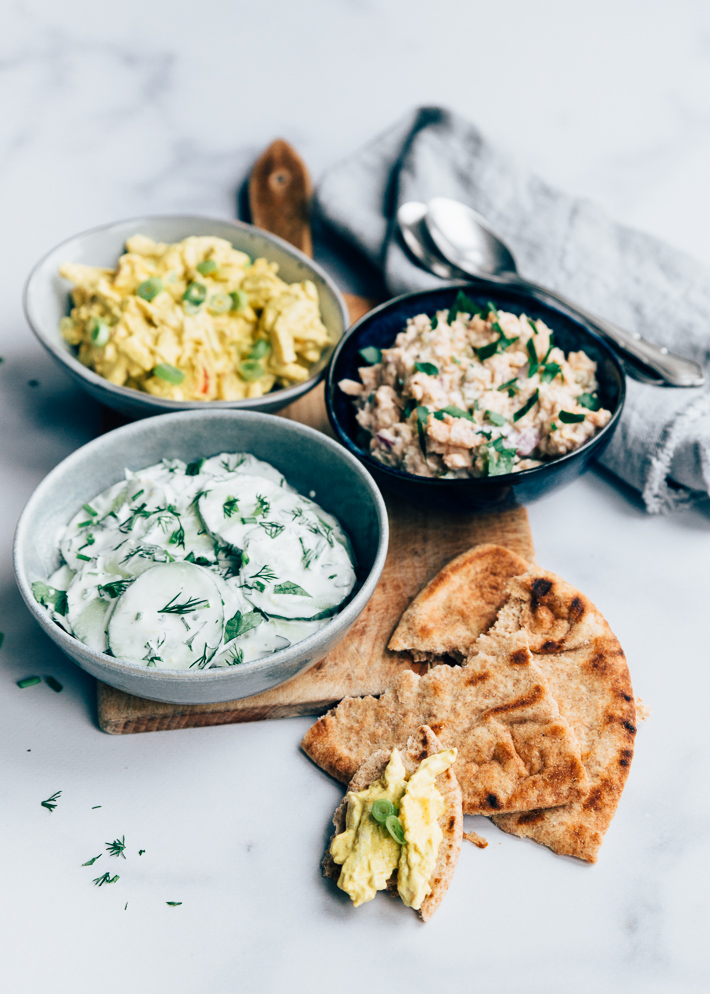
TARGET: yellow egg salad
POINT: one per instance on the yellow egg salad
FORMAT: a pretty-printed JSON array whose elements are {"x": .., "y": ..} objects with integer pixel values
[
  {"x": 393, "y": 825},
  {"x": 197, "y": 320}
]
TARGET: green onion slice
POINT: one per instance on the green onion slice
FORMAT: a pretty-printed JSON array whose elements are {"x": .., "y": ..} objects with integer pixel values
[
  {"x": 206, "y": 267},
  {"x": 382, "y": 809},
  {"x": 240, "y": 301},
  {"x": 149, "y": 288},
  {"x": 164, "y": 371},
  {"x": 219, "y": 303},
  {"x": 260, "y": 349},
  {"x": 99, "y": 333},
  {"x": 195, "y": 294},
  {"x": 250, "y": 370},
  {"x": 394, "y": 827}
]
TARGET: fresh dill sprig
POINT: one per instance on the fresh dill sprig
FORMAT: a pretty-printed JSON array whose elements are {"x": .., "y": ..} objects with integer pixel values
[
  {"x": 116, "y": 847},
  {"x": 308, "y": 554},
  {"x": 115, "y": 588},
  {"x": 203, "y": 659},
  {"x": 51, "y": 802},
  {"x": 230, "y": 506},
  {"x": 263, "y": 505},
  {"x": 178, "y": 536},
  {"x": 186, "y": 607},
  {"x": 272, "y": 528},
  {"x": 105, "y": 879}
]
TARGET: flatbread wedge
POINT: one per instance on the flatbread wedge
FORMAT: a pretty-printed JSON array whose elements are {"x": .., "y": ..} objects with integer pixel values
[
  {"x": 422, "y": 744},
  {"x": 515, "y": 751},
  {"x": 587, "y": 673},
  {"x": 460, "y": 603}
]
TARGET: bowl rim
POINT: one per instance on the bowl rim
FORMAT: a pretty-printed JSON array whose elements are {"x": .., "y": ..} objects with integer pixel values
[
  {"x": 287, "y": 394},
  {"x": 339, "y": 622},
  {"x": 486, "y": 482}
]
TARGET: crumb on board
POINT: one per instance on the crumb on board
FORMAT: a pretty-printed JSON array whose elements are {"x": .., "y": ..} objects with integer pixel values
[
  {"x": 477, "y": 840},
  {"x": 643, "y": 711}
]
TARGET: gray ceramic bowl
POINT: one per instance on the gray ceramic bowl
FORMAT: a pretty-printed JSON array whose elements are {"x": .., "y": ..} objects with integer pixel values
[
  {"x": 308, "y": 460},
  {"x": 47, "y": 301}
]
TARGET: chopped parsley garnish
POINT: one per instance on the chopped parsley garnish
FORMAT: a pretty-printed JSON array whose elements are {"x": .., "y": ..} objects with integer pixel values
[
  {"x": 230, "y": 506},
  {"x": 464, "y": 305},
  {"x": 455, "y": 412},
  {"x": 426, "y": 367},
  {"x": 50, "y": 597},
  {"x": 115, "y": 588},
  {"x": 193, "y": 468},
  {"x": 530, "y": 403},
  {"x": 51, "y": 802},
  {"x": 495, "y": 418},
  {"x": 105, "y": 879},
  {"x": 116, "y": 848},
  {"x": 533, "y": 363},
  {"x": 569, "y": 419},
  {"x": 186, "y": 607},
  {"x": 28, "y": 681},
  {"x": 486, "y": 351},
  {"x": 240, "y": 624},
  {"x": 549, "y": 371},
  {"x": 55, "y": 685},
  {"x": 371, "y": 355},
  {"x": 287, "y": 587},
  {"x": 589, "y": 400},
  {"x": 500, "y": 459}
]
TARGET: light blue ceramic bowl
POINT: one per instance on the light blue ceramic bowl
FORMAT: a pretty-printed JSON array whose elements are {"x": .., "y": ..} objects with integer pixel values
[
  {"x": 47, "y": 302},
  {"x": 310, "y": 462}
]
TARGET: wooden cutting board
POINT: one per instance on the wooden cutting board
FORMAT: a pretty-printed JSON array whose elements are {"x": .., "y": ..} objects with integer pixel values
[{"x": 421, "y": 541}]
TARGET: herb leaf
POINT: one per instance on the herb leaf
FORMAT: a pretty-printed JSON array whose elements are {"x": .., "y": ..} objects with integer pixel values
[
  {"x": 422, "y": 421},
  {"x": 511, "y": 386},
  {"x": 550, "y": 371},
  {"x": 455, "y": 412},
  {"x": 240, "y": 624},
  {"x": 105, "y": 879},
  {"x": 90, "y": 862},
  {"x": 193, "y": 468},
  {"x": 589, "y": 400},
  {"x": 169, "y": 374},
  {"x": 533, "y": 363},
  {"x": 569, "y": 419},
  {"x": 287, "y": 587},
  {"x": 50, "y": 597},
  {"x": 521, "y": 412},
  {"x": 116, "y": 847},
  {"x": 115, "y": 588},
  {"x": 230, "y": 506},
  {"x": 371, "y": 355},
  {"x": 495, "y": 418},
  {"x": 426, "y": 367},
  {"x": 51, "y": 802}
]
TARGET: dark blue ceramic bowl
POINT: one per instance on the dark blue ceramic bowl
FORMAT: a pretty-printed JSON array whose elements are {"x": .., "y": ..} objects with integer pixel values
[{"x": 381, "y": 326}]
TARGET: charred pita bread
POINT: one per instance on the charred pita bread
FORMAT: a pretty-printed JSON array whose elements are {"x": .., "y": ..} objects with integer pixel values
[
  {"x": 460, "y": 603},
  {"x": 422, "y": 744},
  {"x": 515, "y": 751},
  {"x": 585, "y": 667}
]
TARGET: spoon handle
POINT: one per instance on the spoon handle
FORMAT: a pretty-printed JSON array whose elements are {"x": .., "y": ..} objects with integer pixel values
[{"x": 671, "y": 369}]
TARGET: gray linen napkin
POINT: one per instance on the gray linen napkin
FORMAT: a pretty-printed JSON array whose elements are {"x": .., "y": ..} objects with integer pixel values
[{"x": 662, "y": 445}]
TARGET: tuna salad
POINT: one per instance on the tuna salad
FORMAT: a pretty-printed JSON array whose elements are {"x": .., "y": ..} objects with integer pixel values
[{"x": 473, "y": 392}]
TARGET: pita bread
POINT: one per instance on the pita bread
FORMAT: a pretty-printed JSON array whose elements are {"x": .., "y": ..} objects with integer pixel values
[
  {"x": 460, "y": 603},
  {"x": 422, "y": 744},
  {"x": 586, "y": 670},
  {"x": 516, "y": 752}
]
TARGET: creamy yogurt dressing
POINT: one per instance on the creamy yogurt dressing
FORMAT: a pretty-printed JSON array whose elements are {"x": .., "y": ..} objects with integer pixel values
[{"x": 194, "y": 566}]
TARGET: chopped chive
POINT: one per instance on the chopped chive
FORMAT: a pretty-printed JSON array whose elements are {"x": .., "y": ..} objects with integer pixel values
[
  {"x": 569, "y": 419},
  {"x": 28, "y": 681},
  {"x": 149, "y": 288},
  {"x": 371, "y": 355},
  {"x": 170, "y": 374},
  {"x": 84, "y": 524},
  {"x": 51, "y": 802},
  {"x": 95, "y": 807},
  {"x": 116, "y": 847},
  {"x": 526, "y": 406},
  {"x": 174, "y": 904},
  {"x": 90, "y": 862},
  {"x": 89, "y": 510},
  {"x": 56, "y": 686},
  {"x": 426, "y": 367},
  {"x": 105, "y": 879},
  {"x": 86, "y": 559},
  {"x": 206, "y": 267}
]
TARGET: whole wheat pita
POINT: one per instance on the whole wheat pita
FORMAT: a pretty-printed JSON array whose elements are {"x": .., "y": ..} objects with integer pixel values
[
  {"x": 457, "y": 605},
  {"x": 586, "y": 669},
  {"x": 422, "y": 744},
  {"x": 516, "y": 752}
]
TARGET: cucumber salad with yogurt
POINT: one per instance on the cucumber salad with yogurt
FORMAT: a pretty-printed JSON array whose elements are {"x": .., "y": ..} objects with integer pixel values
[{"x": 192, "y": 566}]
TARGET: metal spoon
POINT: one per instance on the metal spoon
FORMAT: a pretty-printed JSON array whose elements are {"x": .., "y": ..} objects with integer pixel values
[{"x": 464, "y": 238}]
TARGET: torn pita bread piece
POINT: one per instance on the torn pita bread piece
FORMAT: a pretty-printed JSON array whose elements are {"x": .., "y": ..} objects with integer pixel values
[
  {"x": 515, "y": 751},
  {"x": 450, "y": 821},
  {"x": 460, "y": 603},
  {"x": 587, "y": 673}
]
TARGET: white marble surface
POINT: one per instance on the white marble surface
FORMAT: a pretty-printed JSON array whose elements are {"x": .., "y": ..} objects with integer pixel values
[{"x": 113, "y": 110}]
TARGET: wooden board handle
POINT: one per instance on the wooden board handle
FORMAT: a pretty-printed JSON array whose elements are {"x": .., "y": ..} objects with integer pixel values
[{"x": 280, "y": 195}]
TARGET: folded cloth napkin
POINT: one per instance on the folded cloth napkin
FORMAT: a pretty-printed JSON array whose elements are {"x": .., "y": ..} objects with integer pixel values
[{"x": 662, "y": 445}]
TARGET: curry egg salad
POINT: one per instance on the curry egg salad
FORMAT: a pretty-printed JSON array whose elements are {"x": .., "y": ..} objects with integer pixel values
[
  {"x": 192, "y": 566},
  {"x": 474, "y": 392},
  {"x": 197, "y": 320}
]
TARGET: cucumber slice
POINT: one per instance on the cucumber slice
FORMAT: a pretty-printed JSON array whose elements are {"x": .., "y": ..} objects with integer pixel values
[
  {"x": 231, "y": 508},
  {"x": 88, "y": 610},
  {"x": 227, "y": 463},
  {"x": 171, "y": 617},
  {"x": 283, "y": 580}
]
